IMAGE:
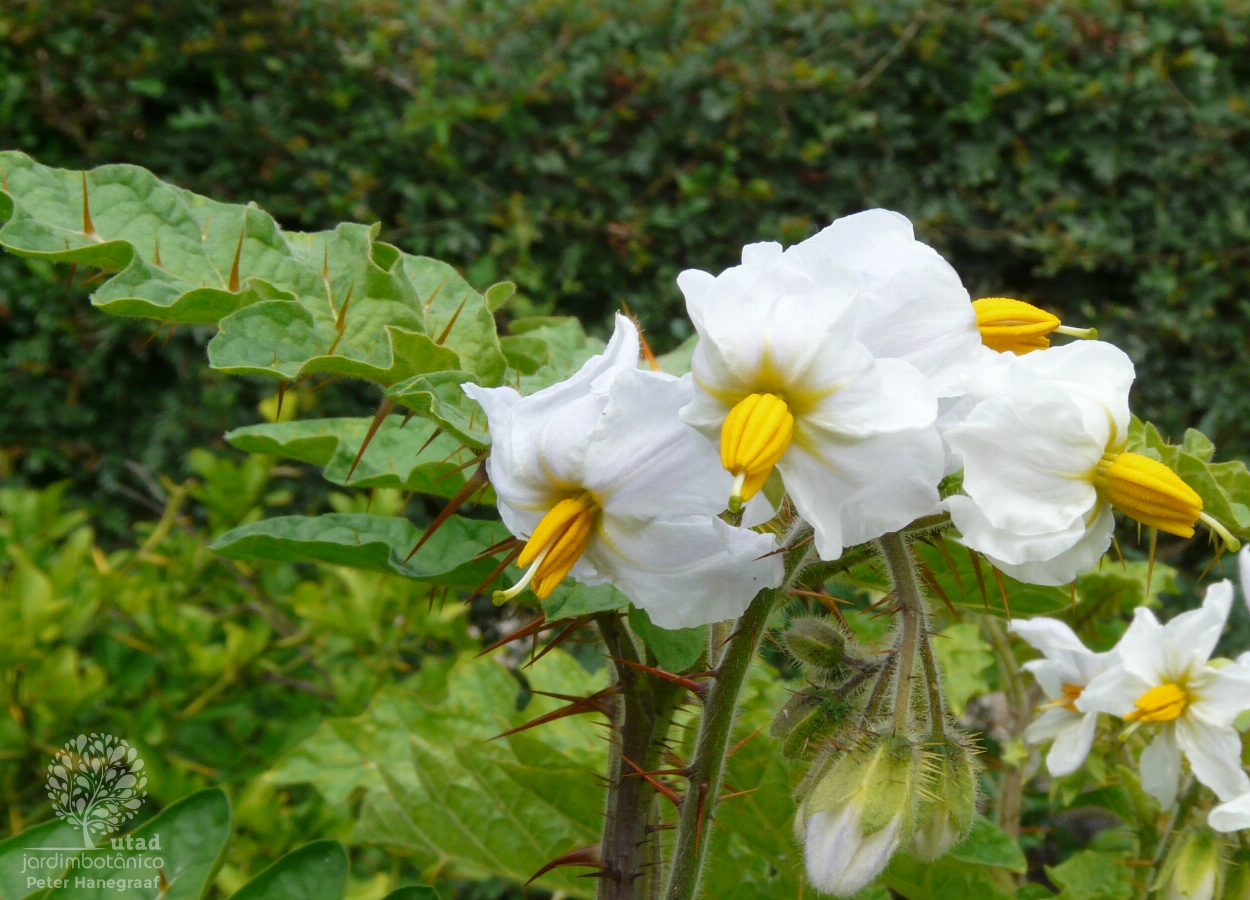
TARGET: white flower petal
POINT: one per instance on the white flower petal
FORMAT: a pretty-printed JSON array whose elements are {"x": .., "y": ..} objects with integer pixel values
[
  {"x": 1115, "y": 691},
  {"x": 684, "y": 572},
  {"x": 643, "y": 461},
  {"x": 874, "y": 853},
  {"x": 1220, "y": 695},
  {"x": 1072, "y": 745},
  {"x": 1050, "y": 559},
  {"x": 1143, "y": 648},
  {"x": 1243, "y": 570},
  {"x": 1190, "y": 638},
  {"x": 913, "y": 306},
  {"x": 1161, "y": 767},
  {"x": 1047, "y": 636},
  {"x": 1025, "y": 462},
  {"x": 1049, "y": 725},
  {"x": 1214, "y": 753},
  {"x": 1097, "y": 370},
  {"x": 830, "y": 840},
  {"x": 1231, "y": 816},
  {"x": 859, "y": 490}
]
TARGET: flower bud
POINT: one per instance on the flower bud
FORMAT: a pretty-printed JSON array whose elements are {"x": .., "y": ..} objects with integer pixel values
[
  {"x": 860, "y": 807},
  {"x": 1237, "y": 881},
  {"x": 1193, "y": 868},
  {"x": 811, "y": 735},
  {"x": 946, "y": 814},
  {"x": 817, "y": 642}
]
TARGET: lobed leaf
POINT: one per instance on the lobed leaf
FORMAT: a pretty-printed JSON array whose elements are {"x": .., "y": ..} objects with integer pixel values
[
  {"x": 316, "y": 871},
  {"x": 370, "y": 542}
]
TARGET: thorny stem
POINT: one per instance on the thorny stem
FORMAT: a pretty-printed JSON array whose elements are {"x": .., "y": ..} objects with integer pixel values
[
  {"x": 641, "y": 715},
  {"x": 1189, "y": 796},
  {"x": 937, "y": 705},
  {"x": 912, "y": 611},
  {"x": 1011, "y": 788},
  {"x": 878, "y": 690},
  {"x": 695, "y": 821}
]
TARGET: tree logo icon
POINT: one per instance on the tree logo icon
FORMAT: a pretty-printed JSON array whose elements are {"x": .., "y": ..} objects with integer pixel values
[{"x": 96, "y": 784}]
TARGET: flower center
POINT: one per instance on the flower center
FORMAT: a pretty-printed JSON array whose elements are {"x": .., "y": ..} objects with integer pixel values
[
  {"x": 1071, "y": 693},
  {"x": 1013, "y": 326},
  {"x": 1159, "y": 704},
  {"x": 1149, "y": 492},
  {"x": 755, "y": 436},
  {"x": 557, "y": 543}
]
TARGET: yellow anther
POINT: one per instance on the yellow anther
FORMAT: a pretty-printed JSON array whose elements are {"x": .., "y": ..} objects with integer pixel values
[
  {"x": 1071, "y": 693},
  {"x": 1159, "y": 704},
  {"x": 755, "y": 436},
  {"x": 1013, "y": 326},
  {"x": 1149, "y": 492},
  {"x": 558, "y": 542}
]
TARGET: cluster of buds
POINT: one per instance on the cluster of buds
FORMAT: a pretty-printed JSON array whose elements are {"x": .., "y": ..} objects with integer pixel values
[
  {"x": 867, "y": 795},
  {"x": 1194, "y": 869}
]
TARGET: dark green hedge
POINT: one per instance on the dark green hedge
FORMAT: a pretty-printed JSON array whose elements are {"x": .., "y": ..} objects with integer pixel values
[{"x": 1090, "y": 156}]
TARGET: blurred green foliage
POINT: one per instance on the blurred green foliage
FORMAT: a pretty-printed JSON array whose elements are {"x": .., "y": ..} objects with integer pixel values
[
  {"x": 1089, "y": 156},
  {"x": 211, "y": 668}
]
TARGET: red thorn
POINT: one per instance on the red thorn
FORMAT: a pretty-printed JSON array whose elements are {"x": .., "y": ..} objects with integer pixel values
[
  {"x": 595, "y": 703},
  {"x": 378, "y": 418},
  {"x": 940, "y": 543},
  {"x": 340, "y": 324},
  {"x": 407, "y": 418},
  {"x": 437, "y": 432},
  {"x": 471, "y": 484},
  {"x": 533, "y": 626},
  {"x": 506, "y": 544},
  {"x": 461, "y": 467},
  {"x": 238, "y": 254},
  {"x": 667, "y": 792},
  {"x": 930, "y": 579},
  {"x": 585, "y": 857},
  {"x": 498, "y": 570},
  {"x": 742, "y": 743},
  {"x": 688, "y": 683},
  {"x": 452, "y": 321},
  {"x": 806, "y": 540},
  {"x": 277, "y": 417},
  {"x": 88, "y": 227},
  {"x": 1002, "y": 590},
  {"x": 681, "y": 773},
  {"x": 698, "y": 819},
  {"x": 73, "y": 270},
  {"x": 567, "y": 632},
  {"x": 976, "y": 567},
  {"x": 647, "y": 353},
  {"x": 725, "y": 797}
]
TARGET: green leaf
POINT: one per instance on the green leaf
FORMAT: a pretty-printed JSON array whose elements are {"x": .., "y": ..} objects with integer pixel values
[
  {"x": 1090, "y": 875},
  {"x": 413, "y": 892},
  {"x": 677, "y": 362},
  {"x": 405, "y": 457},
  {"x": 14, "y": 871},
  {"x": 289, "y": 304},
  {"x": 676, "y": 650},
  {"x": 526, "y": 353},
  {"x": 988, "y": 845},
  {"x": 439, "y": 397},
  {"x": 193, "y": 834},
  {"x": 568, "y": 347},
  {"x": 964, "y": 658},
  {"x": 941, "y": 880},
  {"x": 439, "y": 789},
  {"x": 316, "y": 871},
  {"x": 458, "y": 317},
  {"x": 574, "y": 599},
  {"x": 370, "y": 542}
]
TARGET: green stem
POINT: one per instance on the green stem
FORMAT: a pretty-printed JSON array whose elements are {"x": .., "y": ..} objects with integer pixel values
[
  {"x": 694, "y": 824},
  {"x": 1189, "y": 796},
  {"x": 912, "y": 612},
  {"x": 937, "y": 703},
  {"x": 1011, "y": 786}
]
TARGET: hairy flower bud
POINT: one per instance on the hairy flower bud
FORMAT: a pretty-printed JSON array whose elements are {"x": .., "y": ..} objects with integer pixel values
[
  {"x": 1237, "y": 881},
  {"x": 946, "y": 813},
  {"x": 1193, "y": 870},
  {"x": 813, "y": 733},
  {"x": 817, "y": 642},
  {"x": 859, "y": 808}
]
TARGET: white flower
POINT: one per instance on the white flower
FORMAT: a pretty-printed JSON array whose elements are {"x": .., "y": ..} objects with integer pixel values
[
  {"x": 1064, "y": 671},
  {"x": 1243, "y": 571},
  {"x": 1233, "y": 815},
  {"x": 606, "y": 482},
  {"x": 782, "y": 381},
  {"x": 1163, "y": 680},
  {"x": 861, "y": 807},
  {"x": 912, "y": 305},
  {"x": 1044, "y": 464}
]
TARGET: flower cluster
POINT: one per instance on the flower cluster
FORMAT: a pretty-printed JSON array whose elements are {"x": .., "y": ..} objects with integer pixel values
[{"x": 851, "y": 374}]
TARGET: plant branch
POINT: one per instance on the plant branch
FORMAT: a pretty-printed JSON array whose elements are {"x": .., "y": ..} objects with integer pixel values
[
  {"x": 937, "y": 703},
  {"x": 912, "y": 609}
]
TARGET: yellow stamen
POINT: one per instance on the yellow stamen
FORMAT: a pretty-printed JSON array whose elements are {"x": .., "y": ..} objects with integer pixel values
[
  {"x": 1071, "y": 693},
  {"x": 556, "y": 544},
  {"x": 755, "y": 436},
  {"x": 1159, "y": 704},
  {"x": 1149, "y": 492},
  {"x": 1013, "y": 326}
]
